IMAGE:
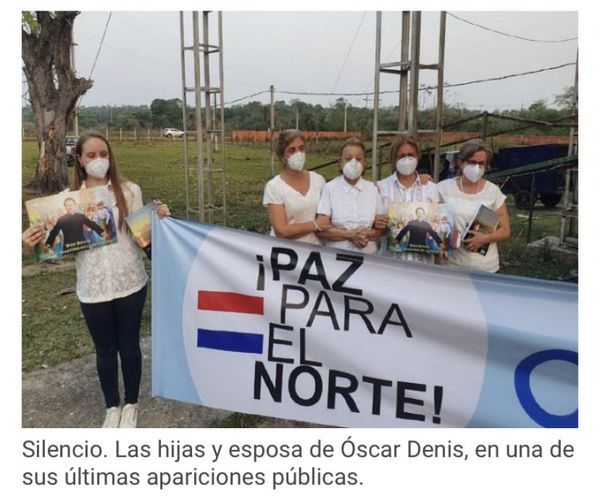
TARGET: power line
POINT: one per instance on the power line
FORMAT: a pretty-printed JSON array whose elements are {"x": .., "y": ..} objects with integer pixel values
[
  {"x": 362, "y": 94},
  {"x": 100, "y": 47},
  {"x": 428, "y": 88},
  {"x": 96, "y": 59},
  {"x": 498, "y": 78},
  {"x": 147, "y": 33},
  {"x": 349, "y": 50},
  {"x": 247, "y": 96},
  {"x": 507, "y": 34},
  {"x": 133, "y": 54}
]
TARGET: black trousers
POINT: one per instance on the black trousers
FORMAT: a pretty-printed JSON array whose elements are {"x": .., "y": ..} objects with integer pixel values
[{"x": 115, "y": 329}]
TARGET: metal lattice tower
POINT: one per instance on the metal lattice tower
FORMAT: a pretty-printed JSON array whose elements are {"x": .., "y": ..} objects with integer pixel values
[
  {"x": 408, "y": 69},
  {"x": 205, "y": 193}
]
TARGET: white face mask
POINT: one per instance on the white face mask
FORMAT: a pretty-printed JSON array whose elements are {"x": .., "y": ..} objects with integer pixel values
[
  {"x": 473, "y": 172},
  {"x": 97, "y": 168},
  {"x": 406, "y": 165},
  {"x": 352, "y": 169},
  {"x": 296, "y": 161}
]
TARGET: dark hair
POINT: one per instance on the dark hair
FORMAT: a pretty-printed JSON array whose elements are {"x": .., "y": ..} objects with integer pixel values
[
  {"x": 471, "y": 147},
  {"x": 398, "y": 142},
  {"x": 286, "y": 137},
  {"x": 115, "y": 180}
]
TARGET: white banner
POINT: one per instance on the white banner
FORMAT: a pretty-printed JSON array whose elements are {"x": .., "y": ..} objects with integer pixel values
[{"x": 255, "y": 324}]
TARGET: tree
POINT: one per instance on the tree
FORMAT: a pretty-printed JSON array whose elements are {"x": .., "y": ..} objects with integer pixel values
[
  {"x": 167, "y": 113},
  {"x": 53, "y": 90},
  {"x": 568, "y": 99}
]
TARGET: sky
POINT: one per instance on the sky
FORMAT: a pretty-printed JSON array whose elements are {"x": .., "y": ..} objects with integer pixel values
[{"x": 326, "y": 52}]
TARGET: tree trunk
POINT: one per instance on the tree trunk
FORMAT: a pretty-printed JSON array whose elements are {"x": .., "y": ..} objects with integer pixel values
[{"x": 53, "y": 92}]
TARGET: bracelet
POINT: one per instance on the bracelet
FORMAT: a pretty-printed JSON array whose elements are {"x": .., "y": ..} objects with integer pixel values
[{"x": 316, "y": 226}]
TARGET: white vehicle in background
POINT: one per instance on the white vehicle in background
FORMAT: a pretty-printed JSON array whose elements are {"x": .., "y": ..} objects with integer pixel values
[{"x": 172, "y": 133}]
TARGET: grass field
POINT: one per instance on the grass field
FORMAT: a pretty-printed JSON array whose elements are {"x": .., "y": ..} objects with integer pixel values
[{"x": 53, "y": 327}]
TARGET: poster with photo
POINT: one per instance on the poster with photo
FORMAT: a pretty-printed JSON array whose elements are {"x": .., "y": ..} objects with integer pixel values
[
  {"x": 421, "y": 227},
  {"x": 73, "y": 221}
]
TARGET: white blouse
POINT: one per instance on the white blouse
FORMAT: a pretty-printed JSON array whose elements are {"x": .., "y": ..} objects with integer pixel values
[
  {"x": 351, "y": 207},
  {"x": 116, "y": 270},
  {"x": 298, "y": 208},
  {"x": 465, "y": 207},
  {"x": 394, "y": 191}
]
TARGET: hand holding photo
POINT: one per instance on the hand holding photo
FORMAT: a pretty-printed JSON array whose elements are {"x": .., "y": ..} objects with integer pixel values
[
  {"x": 140, "y": 223},
  {"x": 422, "y": 227},
  {"x": 72, "y": 221}
]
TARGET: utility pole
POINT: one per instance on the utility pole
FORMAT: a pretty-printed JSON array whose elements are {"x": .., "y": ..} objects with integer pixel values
[
  {"x": 297, "y": 119},
  {"x": 415, "y": 48},
  {"x": 439, "y": 115},
  {"x": 345, "y": 117},
  {"x": 76, "y": 110},
  {"x": 375, "y": 157},
  {"x": 272, "y": 88}
]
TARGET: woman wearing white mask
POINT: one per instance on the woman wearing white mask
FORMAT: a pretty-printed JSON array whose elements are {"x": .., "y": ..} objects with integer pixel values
[
  {"x": 111, "y": 281},
  {"x": 293, "y": 195},
  {"x": 350, "y": 203},
  {"x": 467, "y": 193},
  {"x": 405, "y": 184}
]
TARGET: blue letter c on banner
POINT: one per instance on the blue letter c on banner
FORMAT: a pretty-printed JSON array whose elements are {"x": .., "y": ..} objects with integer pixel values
[{"x": 525, "y": 395}]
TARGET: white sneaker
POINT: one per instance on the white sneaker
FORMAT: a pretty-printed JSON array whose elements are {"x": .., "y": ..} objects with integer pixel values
[
  {"x": 129, "y": 416},
  {"x": 113, "y": 417}
]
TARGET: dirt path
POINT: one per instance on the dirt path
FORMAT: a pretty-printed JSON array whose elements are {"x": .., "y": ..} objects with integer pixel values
[{"x": 68, "y": 396}]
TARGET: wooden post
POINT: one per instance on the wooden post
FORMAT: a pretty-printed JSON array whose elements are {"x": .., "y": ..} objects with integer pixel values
[
  {"x": 272, "y": 130},
  {"x": 404, "y": 54},
  {"x": 532, "y": 196},
  {"x": 439, "y": 116},
  {"x": 345, "y": 117},
  {"x": 484, "y": 125},
  {"x": 374, "y": 164},
  {"x": 415, "y": 46}
]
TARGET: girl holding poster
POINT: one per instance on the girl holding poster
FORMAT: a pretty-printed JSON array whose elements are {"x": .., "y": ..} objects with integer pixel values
[{"x": 111, "y": 281}]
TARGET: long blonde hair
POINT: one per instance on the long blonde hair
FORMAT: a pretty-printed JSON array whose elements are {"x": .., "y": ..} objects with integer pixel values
[{"x": 115, "y": 180}]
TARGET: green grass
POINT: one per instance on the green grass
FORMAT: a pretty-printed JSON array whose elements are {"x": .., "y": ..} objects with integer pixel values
[
  {"x": 53, "y": 327},
  {"x": 513, "y": 256}
]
